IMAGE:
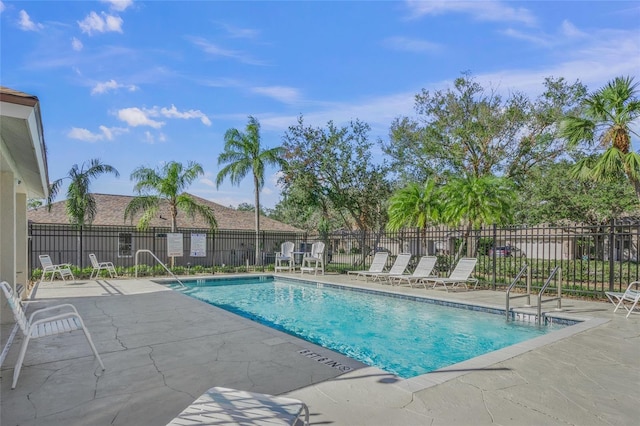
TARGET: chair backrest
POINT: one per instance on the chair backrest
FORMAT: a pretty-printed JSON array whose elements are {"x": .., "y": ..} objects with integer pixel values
[
  {"x": 16, "y": 307},
  {"x": 425, "y": 266},
  {"x": 45, "y": 261},
  {"x": 632, "y": 293},
  {"x": 317, "y": 249},
  {"x": 286, "y": 249},
  {"x": 94, "y": 260},
  {"x": 464, "y": 268},
  {"x": 400, "y": 265},
  {"x": 379, "y": 261}
]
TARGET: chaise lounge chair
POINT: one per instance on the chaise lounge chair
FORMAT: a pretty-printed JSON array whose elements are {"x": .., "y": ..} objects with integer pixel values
[
  {"x": 423, "y": 271},
  {"x": 377, "y": 265},
  {"x": 284, "y": 258},
  {"x": 459, "y": 276},
  {"x": 630, "y": 295},
  {"x": 397, "y": 269},
  {"x": 64, "y": 269},
  {"x": 98, "y": 266},
  {"x": 224, "y": 406},
  {"x": 32, "y": 328}
]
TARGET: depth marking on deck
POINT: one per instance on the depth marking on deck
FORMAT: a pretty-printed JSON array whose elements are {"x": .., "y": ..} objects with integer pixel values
[{"x": 325, "y": 360}]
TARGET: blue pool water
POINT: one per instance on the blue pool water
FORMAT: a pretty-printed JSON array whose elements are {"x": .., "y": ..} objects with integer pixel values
[{"x": 400, "y": 336}]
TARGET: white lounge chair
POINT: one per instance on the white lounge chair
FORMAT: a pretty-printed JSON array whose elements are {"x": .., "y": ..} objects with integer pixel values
[
  {"x": 378, "y": 264},
  {"x": 316, "y": 257},
  {"x": 630, "y": 295},
  {"x": 34, "y": 328},
  {"x": 423, "y": 270},
  {"x": 284, "y": 258},
  {"x": 460, "y": 276},
  {"x": 397, "y": 269},
  {"x": 64, "y": 269},
  {"x": 224, "y": 406},
  {"x": 98, "y": 266}
]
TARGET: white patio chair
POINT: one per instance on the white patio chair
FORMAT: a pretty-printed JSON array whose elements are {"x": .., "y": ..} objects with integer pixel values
[
  {"x": 284, "y": 258},
  {"x": 398, "y": 268},
  {"x": 378, "y": 264},
  {"x": 423, "y": 270},
  {"x": 461, "y": 275},
  {"x": 316, "y": 257},
  {"x": 98, "y": 266},
  {"x": 630, "y": 295},
  {"x": 224, "y": 406},
  {"x": 64, "y": 269},
  {"x": 33, "y": 328}
]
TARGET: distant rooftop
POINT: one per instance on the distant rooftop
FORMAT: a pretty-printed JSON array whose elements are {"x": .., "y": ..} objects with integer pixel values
[{"x": 110, "y": 212}]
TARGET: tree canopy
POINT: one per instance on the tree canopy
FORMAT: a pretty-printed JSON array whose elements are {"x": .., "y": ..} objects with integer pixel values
[{"x": 332, "y": 170}]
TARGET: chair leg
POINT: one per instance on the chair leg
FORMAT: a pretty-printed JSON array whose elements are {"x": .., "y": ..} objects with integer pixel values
[
  {"x": 93, "y": 347},
  {"x": 18, "y": 367}
]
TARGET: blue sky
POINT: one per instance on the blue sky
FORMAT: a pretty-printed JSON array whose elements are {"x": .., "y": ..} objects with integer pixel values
[{"x": 138, "y": 83}]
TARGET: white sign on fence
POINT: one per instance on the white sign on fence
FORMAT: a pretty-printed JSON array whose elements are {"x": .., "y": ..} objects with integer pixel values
[
  {"x": 198, "y": 245},
  {"x": 174, "y": 245}
]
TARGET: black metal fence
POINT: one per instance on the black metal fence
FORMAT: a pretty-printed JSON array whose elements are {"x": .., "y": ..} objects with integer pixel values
[{"x": 593, "y": 259}]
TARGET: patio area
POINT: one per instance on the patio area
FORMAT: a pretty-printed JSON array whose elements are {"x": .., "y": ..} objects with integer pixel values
[{"x": 163, "y": 349}]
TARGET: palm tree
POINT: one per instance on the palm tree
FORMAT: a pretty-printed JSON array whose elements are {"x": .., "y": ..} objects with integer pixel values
[
  {"x": 166, "y": 183},
  {"x": 474, "y": 201},
  {"x": 607, "y": 118},
  {"x": 243, "y": 154},
  {"x": 80, "y": 205},
  {"x": 414, "y": 205}
]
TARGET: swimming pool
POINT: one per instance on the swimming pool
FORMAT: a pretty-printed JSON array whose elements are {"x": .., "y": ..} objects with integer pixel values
[{"x": 401, "y": 336}]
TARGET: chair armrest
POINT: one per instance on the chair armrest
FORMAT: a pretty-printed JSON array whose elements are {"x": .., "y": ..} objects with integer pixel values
[
  {"x": 55, "y": 318},
  {"x": 51, "y": 308}
]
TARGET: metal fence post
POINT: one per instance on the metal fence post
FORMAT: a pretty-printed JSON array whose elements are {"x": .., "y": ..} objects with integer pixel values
[
  {"x": 612, "y": 241},
  {"x": 495, "y": 237}
]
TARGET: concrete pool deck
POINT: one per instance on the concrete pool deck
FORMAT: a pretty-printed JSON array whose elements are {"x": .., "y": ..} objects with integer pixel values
[{"x": 163, "y": 349}]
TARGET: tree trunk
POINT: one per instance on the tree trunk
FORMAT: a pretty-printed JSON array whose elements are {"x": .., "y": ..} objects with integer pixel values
[{"x": 257, "y": 197}]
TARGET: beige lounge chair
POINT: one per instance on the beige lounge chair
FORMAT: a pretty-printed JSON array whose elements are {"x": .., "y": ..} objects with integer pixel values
[
  {"x": 284, "y": 258},
  {"x": 63, "y": 269},
  {"x": 98, "y": 266},
  {"x": 423, "y": 270},
  {"x": 224, "y": 406},
  {"x": 460, "y": 276},
  {"x": 66, "y": 319},
  {"x": 378, "y": 264}
]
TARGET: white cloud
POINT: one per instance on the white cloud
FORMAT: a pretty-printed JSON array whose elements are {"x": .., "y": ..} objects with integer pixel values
[
  {"x": 283, "y": 94},
  {"x": 94, "y": 23},
  {"x": 136, "y": 117},
  {"x": 208, "y": 182},
  {"x": 26, "y": 24},
  {"x": 236, "y": 32},
  {"x": 1, "y": 6},
  {"x": 111, "y": 85},
  {"x": 187, "y": 115},
  {"x": 106, "y": 133},
  {"x": 215, "y": 50},
  {"x": 489, "y": 10},
  {"x": 151, "y": 139},
  {"x": 411, "y": 45},
  {"x": 76, "y": 44},
  {"x": 540, "y": 40},
  {"x": 118, "y": 5},
  {"x": 570, "y": 30}
]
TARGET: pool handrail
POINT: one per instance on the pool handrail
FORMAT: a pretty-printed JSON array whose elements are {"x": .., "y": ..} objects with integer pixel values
[
  {"x": 514, "y": 283},
  {"x": 160, "y": 262}
]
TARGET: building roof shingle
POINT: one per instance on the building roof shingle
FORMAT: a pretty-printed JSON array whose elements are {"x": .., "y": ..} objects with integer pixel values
[{"x": 110, "y": 212}]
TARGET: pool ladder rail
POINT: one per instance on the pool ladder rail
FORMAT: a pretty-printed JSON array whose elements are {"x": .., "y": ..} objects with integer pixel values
[
  {"x": 160, "y": 262},
  {"x": 540, "y": 301}
]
